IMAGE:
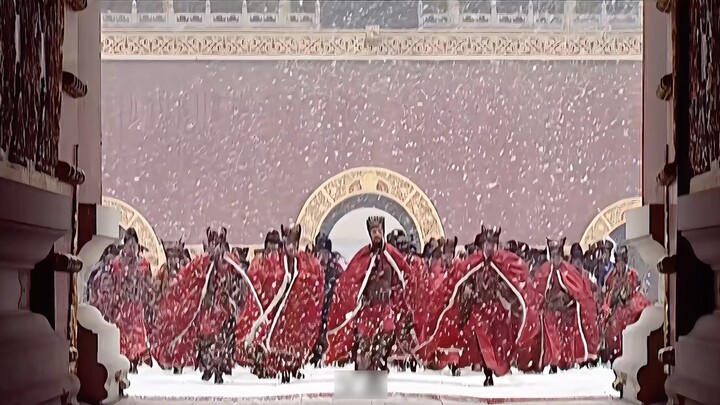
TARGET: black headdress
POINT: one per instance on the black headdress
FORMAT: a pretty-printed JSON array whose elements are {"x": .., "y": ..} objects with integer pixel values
[
  {"x": 470, "y": 248},
  {"x": 491, "y": 235},
  {"x": 428, "y": 248},
  {"x": 376, "y": 222},
  {"x": 621, "y": 254},
  {"x": 576, "y": 251},
  {"x": 272, "y": 237},
  {"x": 323, "y": 242},
  {"x": 512, "y": 246},
  {"x": 604, "y": 245},
  {"x": 394, "y": 237},
  {"x": 556, "y": 246},
  {"x": 131, "y": 234}
]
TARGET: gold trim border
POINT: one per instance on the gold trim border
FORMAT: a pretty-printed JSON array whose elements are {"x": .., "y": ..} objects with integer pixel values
[
  {"x": 422, "y": 45},
  {"x": 608, "y": 220},
  {"x": 369, "y": 180}
]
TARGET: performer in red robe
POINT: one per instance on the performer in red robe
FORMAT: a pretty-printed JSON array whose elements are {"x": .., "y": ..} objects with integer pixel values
[
  {"x": 441, "y": 260},
  {"x": 162, "y": 324},
  {"x": 131, "y": 293},
  {"x": 188, "y": 303},
  {"x": 285, "y": 338},
  {"x": 577, "y": 260},
  {"x": 480, "y": 314},
  {"x": 370, "y": 305},
  {"x": 217, "y": 309},
  {"x": 624, "y": 302},
  {"x": 98, "y": 290},
  {"x": 266, "y": 276},
  {"x": 568, "y": 315},
  {"x": 332, "y": 270},
  {"x": 403, "y": 357}
]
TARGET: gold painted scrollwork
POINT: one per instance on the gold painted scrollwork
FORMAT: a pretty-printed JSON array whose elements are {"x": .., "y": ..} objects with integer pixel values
[
  {"x": 608, "y": 220},
  {"x": 370, "y": 180},
  {"x": 131, "y": 218}
]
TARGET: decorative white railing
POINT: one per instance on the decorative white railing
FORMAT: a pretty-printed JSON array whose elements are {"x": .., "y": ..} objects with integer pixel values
[
  {"x": 200, "y": 14},
  {"x": 491, "y": 15}
]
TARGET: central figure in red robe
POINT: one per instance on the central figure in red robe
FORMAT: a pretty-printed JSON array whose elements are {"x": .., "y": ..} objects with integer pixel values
[
  {"x": 370, "y": 310},
  {"x": 480, "y": 315}
]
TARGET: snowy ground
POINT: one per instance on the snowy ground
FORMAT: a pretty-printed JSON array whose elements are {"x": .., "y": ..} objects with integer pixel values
[{"x": 153, "y": 383}]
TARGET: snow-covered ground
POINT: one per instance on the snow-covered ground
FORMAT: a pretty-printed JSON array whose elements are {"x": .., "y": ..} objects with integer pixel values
[{"x": 153, "y": 383}]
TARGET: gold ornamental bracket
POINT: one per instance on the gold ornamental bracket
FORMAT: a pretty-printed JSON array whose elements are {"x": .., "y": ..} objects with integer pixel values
[
  {"x": 370, "y": 180},
  {"x": 608, "y": 220},
  {"x": 132, "y": 218}
]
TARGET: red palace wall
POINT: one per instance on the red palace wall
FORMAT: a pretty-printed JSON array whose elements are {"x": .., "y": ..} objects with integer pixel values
[{"x": 538, "y": 147}]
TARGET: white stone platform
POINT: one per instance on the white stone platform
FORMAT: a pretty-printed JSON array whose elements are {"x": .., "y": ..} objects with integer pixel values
[{"x": 154, "y": 386}]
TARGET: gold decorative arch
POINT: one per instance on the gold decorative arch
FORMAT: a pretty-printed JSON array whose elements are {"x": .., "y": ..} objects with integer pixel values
[
  {"x": 608, "y": 220},
  {"x": 369, "y": 180},
  {"x": 132, "y": 218}
]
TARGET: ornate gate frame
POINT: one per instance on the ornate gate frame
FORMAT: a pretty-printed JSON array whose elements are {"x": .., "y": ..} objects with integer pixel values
[
  {"x": 608, "y": 220},
  {"x": 369, "y": 180},
  {"x": 132, "y": 218}
]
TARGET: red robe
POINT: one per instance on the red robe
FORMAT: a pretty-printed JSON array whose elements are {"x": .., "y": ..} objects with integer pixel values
[
  {"x": 174, "y": 334},
  {"x": 491, "y": 333},
  {"x": 567, "y": 337},
  {"x": 267, "y": 276},
  {"x": 433, "y": 279},
  {"x": 616, "y": 319},
  {"x": 288, "y": 335},
  {"x": 417, "y": 303},
  {"x": 348, "y": 315},
  {"x": 132, "y": 289},
  {"x": 217, "y": 316}
]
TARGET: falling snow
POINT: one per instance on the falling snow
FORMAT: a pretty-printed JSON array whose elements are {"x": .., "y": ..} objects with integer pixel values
[{"x": 536, "y": 147}]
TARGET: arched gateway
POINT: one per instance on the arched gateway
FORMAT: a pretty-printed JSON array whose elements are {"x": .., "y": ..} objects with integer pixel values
[
  {"x": 348, "y": 196},
  {"x": 610, "y": 223},
  {"x": 132, "y": 218}
]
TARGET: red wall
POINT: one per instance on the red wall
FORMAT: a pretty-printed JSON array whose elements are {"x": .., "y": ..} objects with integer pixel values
[{"x": 538, "y": 147}]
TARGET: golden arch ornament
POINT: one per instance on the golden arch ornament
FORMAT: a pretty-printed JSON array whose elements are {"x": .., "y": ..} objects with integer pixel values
[
  {"x": 132, "y": 218},
  {"x": 608, "y": 220},
  {"x": 370, "y": 180}
]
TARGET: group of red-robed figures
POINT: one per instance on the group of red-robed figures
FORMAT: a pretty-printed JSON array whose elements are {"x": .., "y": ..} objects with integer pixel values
[{"x": 389, "y": 306}]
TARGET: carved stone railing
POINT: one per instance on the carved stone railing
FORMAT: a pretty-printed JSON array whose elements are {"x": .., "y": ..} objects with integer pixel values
[
  {"x": 492, "y": 15},
  {"x": 202, "y": 14}
]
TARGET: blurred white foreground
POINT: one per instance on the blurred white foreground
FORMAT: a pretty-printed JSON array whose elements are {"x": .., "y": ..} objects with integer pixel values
[{"x": 594, "y": 384}]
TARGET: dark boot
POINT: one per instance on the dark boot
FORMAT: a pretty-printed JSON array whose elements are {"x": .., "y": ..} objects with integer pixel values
[
  {"x": 207, "y": 375},
  {"x": 455, "y": 370},
  {"x": 298, "y": 375},
  {"x": 553, "y": 370},
  {"x": 177, "y": 370},
  {"x": 218, "y": 378},
  {"x": 488, "y": 378},
  {"x": 413, "y": 365},
  {"x": 364, "y": 356}
]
